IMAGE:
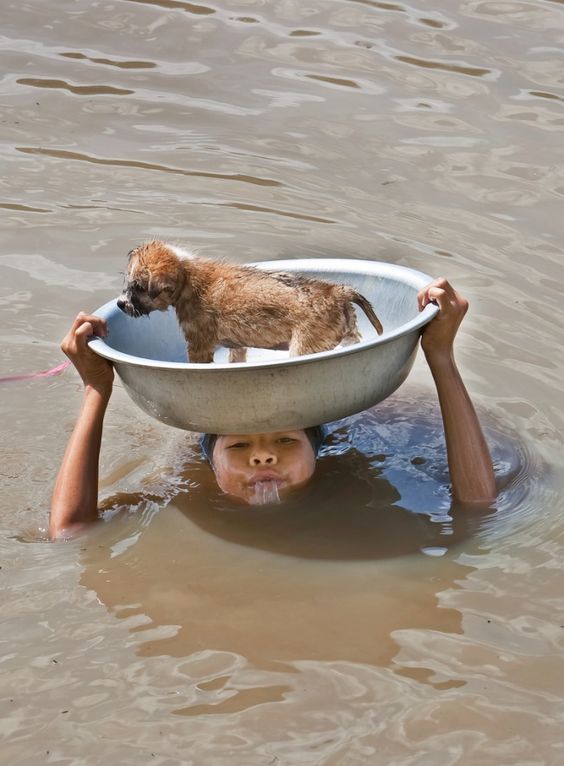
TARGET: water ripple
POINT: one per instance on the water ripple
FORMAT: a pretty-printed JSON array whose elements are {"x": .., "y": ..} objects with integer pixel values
[
  {"x": 109, "y": 62},
  {"x": 457, "y": 68},
  {"x": 23, "y": 208},
  {"x": 198, "y": 10},
  {"x": 66, "y": 155},
  {"x": 272, "y": 211},
  {"x": 79, "y": 90}
]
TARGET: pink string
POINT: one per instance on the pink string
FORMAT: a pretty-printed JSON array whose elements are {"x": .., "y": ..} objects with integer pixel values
[{"x": 33, "y": 375}]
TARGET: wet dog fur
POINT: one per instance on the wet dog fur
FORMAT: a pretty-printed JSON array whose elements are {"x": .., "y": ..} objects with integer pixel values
[{"x": 222, "y": 304}]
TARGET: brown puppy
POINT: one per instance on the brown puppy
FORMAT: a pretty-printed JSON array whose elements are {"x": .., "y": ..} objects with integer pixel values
[{"x": 221, "y": 304}]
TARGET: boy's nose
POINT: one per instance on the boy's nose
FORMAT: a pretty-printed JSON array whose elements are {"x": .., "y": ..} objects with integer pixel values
[{"x": 263, "y": 456}]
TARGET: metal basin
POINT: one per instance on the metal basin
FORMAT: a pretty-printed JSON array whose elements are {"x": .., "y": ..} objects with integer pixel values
[{"x": 271, "y": 392}]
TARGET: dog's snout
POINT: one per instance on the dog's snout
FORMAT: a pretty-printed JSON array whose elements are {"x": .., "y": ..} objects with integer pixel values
[{"x": 130, "y": 304}]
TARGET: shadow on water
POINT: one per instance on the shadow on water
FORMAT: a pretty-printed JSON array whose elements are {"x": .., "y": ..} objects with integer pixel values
[
  {"x": 330, "y": 573},
  {"x": 380, "y": 490},
  {"x": 349, "y": 512}
]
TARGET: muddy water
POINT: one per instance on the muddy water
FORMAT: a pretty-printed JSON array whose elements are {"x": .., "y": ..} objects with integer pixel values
[{"x": 371, "y": 622}]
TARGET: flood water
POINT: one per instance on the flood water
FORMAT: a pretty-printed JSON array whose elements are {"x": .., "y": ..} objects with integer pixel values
[{"x": 366, "y": 621}]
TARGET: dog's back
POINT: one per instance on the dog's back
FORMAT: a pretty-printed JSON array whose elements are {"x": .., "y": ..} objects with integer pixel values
[
  {"x": 255, "y": 308},
  {"x": 238, "y": 306}
]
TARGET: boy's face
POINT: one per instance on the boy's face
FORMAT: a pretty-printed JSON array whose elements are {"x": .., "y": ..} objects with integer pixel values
[{"x": 243, "y": 464}]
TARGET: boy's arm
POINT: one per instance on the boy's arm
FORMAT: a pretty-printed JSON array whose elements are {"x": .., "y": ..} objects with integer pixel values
[
  {"x": 469, "y": 459},
  {"x": 75, "y": 496}
]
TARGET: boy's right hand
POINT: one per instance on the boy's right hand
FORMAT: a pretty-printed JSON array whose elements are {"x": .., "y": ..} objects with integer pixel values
[{"x": 96, "y": 372}]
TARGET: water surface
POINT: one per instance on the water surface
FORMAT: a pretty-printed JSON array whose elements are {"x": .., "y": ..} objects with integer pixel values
[{"x": 373, "y": 623}]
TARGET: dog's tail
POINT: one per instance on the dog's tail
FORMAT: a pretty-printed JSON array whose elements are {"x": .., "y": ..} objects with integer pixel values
[{"x": 366, "y": 306}]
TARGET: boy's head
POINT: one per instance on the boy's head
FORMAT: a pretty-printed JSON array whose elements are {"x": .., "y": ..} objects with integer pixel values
[{"x": 244, "y": 462}]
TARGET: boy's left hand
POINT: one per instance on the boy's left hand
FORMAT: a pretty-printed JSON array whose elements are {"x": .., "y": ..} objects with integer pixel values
[{"x": 438, "y": 336}]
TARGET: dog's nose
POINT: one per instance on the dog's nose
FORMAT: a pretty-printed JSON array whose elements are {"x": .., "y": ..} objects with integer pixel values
[{"x": 121, "y": 304}]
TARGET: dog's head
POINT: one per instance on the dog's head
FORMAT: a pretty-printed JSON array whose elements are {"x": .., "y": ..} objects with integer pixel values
[{"x": 154, "y": 279}]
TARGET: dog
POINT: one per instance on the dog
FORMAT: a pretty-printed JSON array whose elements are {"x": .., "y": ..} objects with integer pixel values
[{"x": 222, "y": 304}]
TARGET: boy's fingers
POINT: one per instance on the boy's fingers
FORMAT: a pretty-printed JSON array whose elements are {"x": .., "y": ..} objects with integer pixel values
[
  {"x": 85, "y": 329},
  {"x": 445, "y": 285},
  {"x": 423, "y": 297},
  {"x": 428, "y": 293},
  {"x": 99, "y": 325},
  {"x": 78, "y": 321},
  {"x": 83, "y": 333},
  {"x": 438, "y": 295}
]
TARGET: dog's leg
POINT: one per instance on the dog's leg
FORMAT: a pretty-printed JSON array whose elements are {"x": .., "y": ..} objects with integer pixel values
[
  {"x": 200, "y": 354},
  {"x": 348, "y": 340},
  {"x": 352, "y": 333},
  {"x": 301, "y": 344},
  {"x": 200, "y": 345},
  {"x": 238, "y": 354}
]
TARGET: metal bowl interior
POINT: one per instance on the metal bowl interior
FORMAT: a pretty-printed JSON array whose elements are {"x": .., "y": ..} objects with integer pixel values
[{"x": 270, "y": 391}]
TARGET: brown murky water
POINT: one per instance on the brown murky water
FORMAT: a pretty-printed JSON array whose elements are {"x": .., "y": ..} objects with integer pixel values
[{"x": 368, "y": 622}]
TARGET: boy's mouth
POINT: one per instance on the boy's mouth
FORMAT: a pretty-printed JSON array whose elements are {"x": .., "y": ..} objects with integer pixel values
[{"x": 262, "y": 477}]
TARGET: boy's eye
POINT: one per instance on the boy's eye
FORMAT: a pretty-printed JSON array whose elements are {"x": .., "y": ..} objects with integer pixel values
[
  {"x": 238, "y": 445},
  {"x": 286, "y": 440}
]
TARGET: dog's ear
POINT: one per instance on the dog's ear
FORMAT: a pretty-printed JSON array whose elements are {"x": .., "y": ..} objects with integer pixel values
[{"x": 158, "y": 285}]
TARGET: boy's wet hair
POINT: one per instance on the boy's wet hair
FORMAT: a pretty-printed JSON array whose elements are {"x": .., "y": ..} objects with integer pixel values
[{"x": 315, "y": 434}]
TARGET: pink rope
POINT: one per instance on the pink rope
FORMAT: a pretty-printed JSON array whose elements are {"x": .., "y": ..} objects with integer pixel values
[{"x": 33, "y": 375}]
